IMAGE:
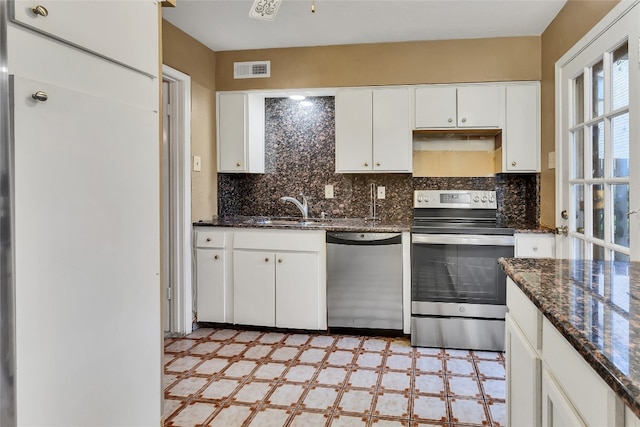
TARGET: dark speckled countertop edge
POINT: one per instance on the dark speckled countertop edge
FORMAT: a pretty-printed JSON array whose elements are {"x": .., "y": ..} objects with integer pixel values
[
  {"x": 331, "y": 224},
  {"x": 618, "y": 381}
]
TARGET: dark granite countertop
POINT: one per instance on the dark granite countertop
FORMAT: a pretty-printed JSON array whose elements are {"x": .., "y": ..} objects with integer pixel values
[
  {"x": 328, "y": 224},
  {"x": 596, "y": 306}
]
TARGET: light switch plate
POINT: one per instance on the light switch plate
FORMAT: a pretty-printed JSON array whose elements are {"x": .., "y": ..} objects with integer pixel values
[
  {"x": 328, "y": 191},
  {"x": 381, "y": 193},
  {"x": 197, "y": 164},
  {"x": 552, "y": 160}
]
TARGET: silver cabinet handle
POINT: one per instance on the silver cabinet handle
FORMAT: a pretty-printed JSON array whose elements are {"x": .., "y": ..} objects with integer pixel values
[
  {"x": 366, "y": 164},
  {"x": 464, "y": 120},
  {"x": 40, "y": 10},
  {"x": 216, "y": 257},
  {"x": 513, "y": 163},
  {"x": 535, "y": 249},
  {"x": 266, "y": 259},
  {"x": 40, "y": 96},
  {"x": 238, "y": 164},
  {"x": 378, "y": 164},
  {"x": 450, "y": 120},
  {"x": 280, "y": 261}
]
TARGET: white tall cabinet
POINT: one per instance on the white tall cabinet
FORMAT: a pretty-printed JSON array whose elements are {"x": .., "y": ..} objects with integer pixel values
[{"x": 84, "y": 81}]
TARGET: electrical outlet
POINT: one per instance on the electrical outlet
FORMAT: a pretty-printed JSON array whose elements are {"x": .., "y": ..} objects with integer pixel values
[
  {"x": 328, "y": 191},
  {"x": 552, "y": 160},
  {"x": 381, "y": 193},
  {"x": 197, "y": 164}
]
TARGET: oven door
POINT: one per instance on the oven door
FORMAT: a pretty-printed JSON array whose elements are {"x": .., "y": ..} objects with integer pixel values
[{"x": 458, "y": 269}]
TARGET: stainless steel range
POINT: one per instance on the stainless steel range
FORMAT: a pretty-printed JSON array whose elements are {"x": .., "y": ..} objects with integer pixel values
[{"x": 458, "y": 291}]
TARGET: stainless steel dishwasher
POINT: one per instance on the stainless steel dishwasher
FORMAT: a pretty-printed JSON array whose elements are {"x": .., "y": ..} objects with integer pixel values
[{"x": 364, "y": 280}]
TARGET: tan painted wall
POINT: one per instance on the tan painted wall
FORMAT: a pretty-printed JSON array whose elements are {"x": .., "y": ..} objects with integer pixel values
[
  {"x": 499, "y": 59},
  {"x": 572, "y": 23},
  {"x": 185, "y": 54}
]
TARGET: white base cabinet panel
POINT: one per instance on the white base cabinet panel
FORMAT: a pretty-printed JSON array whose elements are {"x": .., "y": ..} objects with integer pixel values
[
  {"x": 548, "y": 382},
  {"x": 523, "y": 367},
  {"x": 214, "y": 290},
  {"x": 254, "y": 288},
  {"x": 279, "y": 279}
]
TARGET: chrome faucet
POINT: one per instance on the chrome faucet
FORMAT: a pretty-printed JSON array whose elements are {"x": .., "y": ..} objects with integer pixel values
[{"x": 304, "y": 206}]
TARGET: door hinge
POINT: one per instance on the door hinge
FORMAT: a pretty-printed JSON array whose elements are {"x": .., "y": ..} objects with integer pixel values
[{"x": 169, "y": 293}]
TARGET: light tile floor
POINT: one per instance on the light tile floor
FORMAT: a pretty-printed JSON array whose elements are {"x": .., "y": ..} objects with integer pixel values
[{"x": 233, "y": 377}]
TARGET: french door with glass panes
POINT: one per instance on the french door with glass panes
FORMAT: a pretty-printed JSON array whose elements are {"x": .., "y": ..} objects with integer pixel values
[{"x": 597, "y": 141}]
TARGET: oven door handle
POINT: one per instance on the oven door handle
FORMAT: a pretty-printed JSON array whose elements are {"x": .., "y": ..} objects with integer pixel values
[{"x": 456, "y": 239}]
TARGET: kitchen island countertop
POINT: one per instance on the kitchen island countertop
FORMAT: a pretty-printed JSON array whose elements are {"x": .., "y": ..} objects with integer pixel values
[
  {"x": 595, "y": 306},
  {"x": 328, "y": 224}
]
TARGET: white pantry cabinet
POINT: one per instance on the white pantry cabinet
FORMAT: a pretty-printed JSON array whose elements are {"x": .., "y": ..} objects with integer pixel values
[
  {"x": 373, "y": 130},
  {"x": 521, "y": 133},
  {"x": 214, "y": 290},
  {"x": 85, "y": 125},
  {"x": 240, "y": 127},
  {"x": 449, "y": 106},
  {"x": 279, "y": 278},
  {"x": 535, "y": 245}
]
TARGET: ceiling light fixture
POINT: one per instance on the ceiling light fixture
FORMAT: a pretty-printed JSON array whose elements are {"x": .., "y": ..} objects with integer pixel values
[{"x": 264, "y": 9}]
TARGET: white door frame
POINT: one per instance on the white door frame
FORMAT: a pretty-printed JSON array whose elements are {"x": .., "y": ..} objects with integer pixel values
[{"x": 180, "y": 181}]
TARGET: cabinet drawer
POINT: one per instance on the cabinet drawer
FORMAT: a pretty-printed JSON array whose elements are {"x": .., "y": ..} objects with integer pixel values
[
  {"x": 592, "y": 397},
  {"x": 535, "y": 246},
  {"x": 210, "y": 239},
  {"x": 525, "y": 314}
]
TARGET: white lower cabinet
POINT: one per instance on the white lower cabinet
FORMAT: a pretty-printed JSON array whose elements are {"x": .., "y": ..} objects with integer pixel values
[
  {"x": 254, "y": 285},
  {"x": 214, "y": 298},
  {"x": 279, "y": 279},
  {"x": 548, "y": 383},
  {"x": 523, "y": 378},
  {"x": 557, "y": 411}
]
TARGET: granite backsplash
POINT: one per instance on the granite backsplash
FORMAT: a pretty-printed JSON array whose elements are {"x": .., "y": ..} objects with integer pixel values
[{"x": 300, "y": 153}]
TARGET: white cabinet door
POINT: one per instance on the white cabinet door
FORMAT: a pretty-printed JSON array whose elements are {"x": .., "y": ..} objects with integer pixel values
[
  {"x": 392, "y": 137},
  {"x": 114, "y": 30},
  {"x": 523, "y": 379},
  {"x": 210, "y": 283},
  {"x": 86, "y": 258},
  {"x": 521, "y": 137},
  {"x": 240, "y": 133},
  {"x": 479, "y": 106},
  {"x": 436, "y": 107},
  {"x": 254, "y": 288},
  {"x": 297, "y": 290},
  {"x": 557, "y": 411},
  {"x": 354, "y": 130}
]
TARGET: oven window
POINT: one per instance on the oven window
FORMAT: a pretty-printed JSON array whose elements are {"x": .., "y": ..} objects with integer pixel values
[{"x": 458, "y": 273}]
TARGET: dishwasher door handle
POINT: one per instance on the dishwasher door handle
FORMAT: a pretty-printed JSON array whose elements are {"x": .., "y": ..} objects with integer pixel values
[{"x": 364, "y": 239}]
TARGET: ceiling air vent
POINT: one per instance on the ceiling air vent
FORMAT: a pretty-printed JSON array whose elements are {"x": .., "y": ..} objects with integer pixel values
[{"x": 251, "y": 70}]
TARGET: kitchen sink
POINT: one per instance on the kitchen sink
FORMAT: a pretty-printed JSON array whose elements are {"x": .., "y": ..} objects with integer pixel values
[{"x": 286, "y": 221}]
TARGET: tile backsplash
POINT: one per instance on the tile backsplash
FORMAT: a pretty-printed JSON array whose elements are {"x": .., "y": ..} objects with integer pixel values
[{"x": 300, "y": 158}]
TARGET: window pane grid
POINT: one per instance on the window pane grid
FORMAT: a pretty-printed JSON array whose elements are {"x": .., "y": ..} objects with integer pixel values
[{"x": 599, "y": 158}]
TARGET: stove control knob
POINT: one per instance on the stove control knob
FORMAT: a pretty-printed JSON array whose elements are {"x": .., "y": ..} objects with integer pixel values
[
  {"x": 426, "y": 199},
  {"x": 476, "y": 199},
  {"x": 484, "y": 199},
  {"x": 492, "y": 199},
  {"x": 420, "y": 198}
]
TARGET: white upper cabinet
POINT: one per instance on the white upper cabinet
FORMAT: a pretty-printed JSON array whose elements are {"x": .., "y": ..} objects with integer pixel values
[
  {"x": 91, "y": 26},
  {"x": 448, "y": 106},
  {"x": 240, "y": 132},
  {"x": 373, "y": 130},
  {"x": 521, "y": 134}
]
